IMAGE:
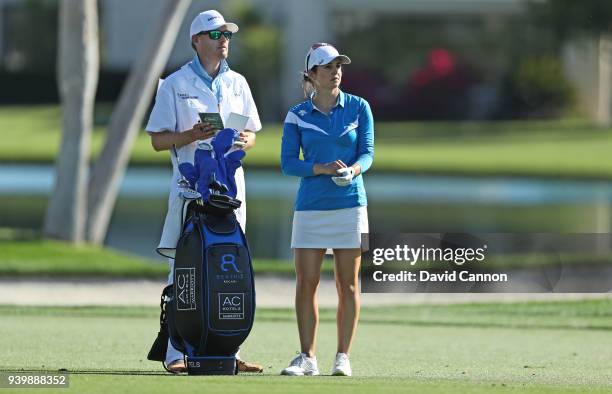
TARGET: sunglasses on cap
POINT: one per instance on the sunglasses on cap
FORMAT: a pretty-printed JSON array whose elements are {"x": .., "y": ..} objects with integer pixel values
[
  {"x": 216, "y": 34},
  {"x": 312, "y": 48}
]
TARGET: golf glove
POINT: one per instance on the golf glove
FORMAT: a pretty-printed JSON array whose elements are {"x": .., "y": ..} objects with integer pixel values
[{"x": 345, "y": 176}]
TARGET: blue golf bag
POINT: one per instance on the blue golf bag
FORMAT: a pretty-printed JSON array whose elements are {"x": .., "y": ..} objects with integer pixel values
[{"x": 208, "y": 312}]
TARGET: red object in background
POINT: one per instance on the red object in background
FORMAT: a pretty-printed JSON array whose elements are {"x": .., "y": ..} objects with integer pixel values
[
  {"x": 441, "y": 61},
  {"x": 421, "y": 78},
  {"x": 438, "y": 90},
  {"x": 369, "y": 84}
]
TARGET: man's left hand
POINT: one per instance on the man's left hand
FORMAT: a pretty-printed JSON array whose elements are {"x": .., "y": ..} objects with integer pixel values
[{"x": 247, "y": 138}]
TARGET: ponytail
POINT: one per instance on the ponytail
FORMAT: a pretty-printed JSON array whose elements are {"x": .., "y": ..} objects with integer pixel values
[{"x": 308, "y": 85}]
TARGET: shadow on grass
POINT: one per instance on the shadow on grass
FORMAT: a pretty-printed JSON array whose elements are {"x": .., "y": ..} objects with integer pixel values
[
  {"x": 84, "y": 372},
  {"x": 63, "y": 371}
]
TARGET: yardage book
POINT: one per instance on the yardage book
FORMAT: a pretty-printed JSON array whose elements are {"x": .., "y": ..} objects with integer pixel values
[{"x": 213, "y": 118}]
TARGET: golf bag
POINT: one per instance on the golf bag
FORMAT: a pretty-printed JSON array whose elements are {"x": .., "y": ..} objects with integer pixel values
[{"x": 208, "y": 312}]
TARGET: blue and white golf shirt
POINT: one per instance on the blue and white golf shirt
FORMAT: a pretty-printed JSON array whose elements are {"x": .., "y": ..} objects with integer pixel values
[{"x": 346, "y": 134}]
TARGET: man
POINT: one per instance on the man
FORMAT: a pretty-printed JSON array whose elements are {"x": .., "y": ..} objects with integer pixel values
[{"x": 206, "y": 84}]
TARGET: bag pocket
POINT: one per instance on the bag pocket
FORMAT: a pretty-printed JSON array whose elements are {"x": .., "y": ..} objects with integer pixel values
[{"x": 230, "y": 303}]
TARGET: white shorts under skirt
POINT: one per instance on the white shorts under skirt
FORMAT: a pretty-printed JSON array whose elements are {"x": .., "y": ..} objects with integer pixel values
[{"x": 335, "y": 229}]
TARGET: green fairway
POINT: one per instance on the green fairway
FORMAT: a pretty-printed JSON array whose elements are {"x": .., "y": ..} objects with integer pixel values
[
  {"x": 539, "y": 347},
  {"x": 567, "y": 148}
]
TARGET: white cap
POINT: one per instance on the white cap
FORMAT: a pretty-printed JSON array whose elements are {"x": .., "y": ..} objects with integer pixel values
[
  {"x": 322, "y": 53},
  {"x": 210, "y": 20}
]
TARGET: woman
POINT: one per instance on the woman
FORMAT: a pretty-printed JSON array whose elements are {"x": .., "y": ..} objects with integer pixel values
[{"x": 335, "y": 132}]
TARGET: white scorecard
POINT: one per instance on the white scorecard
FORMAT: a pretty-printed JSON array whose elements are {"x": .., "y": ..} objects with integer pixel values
[{"x": 236, "y": 121}]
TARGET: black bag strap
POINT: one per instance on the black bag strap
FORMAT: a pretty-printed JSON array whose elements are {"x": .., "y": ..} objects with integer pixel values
[{"x": 160, "y": 345}]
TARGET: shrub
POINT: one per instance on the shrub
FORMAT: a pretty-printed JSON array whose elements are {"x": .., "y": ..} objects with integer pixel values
[{"x": 539, "y": 88}]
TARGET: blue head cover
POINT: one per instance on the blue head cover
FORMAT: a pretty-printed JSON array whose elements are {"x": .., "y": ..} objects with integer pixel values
[
  {"x": 218, "y": 162},
  {"x": 227, "y": 162}
]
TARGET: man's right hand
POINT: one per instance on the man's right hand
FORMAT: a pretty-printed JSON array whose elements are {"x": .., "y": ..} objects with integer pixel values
[
  {"x": 164, "y": 140},
  {"x": 202, "y": 131}
]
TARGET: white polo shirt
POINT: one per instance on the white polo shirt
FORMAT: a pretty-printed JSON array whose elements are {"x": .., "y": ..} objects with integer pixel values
[{"x": 179, "y": 99}]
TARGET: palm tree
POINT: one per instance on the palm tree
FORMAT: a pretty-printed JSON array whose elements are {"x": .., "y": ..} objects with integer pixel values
[
  {"x": 81, "y": 206},
  {"x": 126, "y": 119},
  {"x": 78, "y": 64}
]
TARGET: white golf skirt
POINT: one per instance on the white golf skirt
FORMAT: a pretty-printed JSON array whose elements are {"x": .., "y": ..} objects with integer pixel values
[{"x": 335, "y": 229}]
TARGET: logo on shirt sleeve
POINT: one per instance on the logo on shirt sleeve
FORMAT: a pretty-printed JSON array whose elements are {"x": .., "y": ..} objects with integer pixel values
[{"x": 302, "y": 112}]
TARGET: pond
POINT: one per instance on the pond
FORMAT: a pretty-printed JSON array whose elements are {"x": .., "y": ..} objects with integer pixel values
[{"x": 397, "y": 203}]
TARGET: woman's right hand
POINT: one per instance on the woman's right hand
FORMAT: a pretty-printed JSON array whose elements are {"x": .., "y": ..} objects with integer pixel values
[{"x": 328, "y": 168}]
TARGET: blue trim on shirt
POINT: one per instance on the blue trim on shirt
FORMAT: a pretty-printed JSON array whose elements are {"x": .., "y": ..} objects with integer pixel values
[
  {"x": 212, "y": 83},
  {"x": 346, "y": 133}
]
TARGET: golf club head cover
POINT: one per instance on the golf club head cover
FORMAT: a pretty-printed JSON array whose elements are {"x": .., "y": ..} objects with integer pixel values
[
  {"x": 224, "y": 140},
  {"x": 207, "y": 166},
  {"x": 189, "y": 172},
  {"x": 215, "y": 169},
  {"x": 228, "y": 163},
  {"x": 228, "y": 168}
]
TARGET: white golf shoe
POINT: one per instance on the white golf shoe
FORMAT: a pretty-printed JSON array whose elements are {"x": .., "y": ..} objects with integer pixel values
[
  {"x": 302, "y": 365},
  {"x": 342, "y": 365}
]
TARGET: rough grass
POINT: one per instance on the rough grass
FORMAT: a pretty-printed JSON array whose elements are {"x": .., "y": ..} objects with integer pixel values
[
  {"x": 40, "y": 258},
  {"x": 567, "y": 148}
]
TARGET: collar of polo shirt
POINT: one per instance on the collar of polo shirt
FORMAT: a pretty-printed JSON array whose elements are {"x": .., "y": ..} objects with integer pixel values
[{"x": 339, "y": 102}]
